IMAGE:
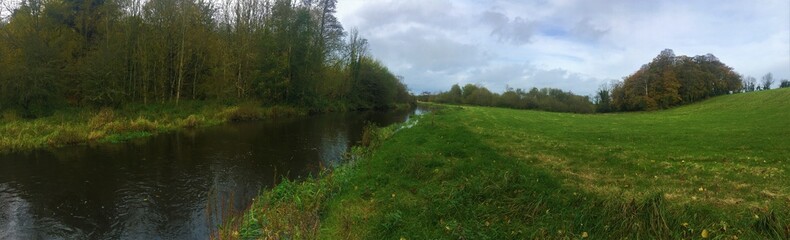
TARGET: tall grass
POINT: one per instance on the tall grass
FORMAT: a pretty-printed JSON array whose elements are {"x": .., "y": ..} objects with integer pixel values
[
  {"x": 102, "y": 118},
  {"x": 75, "y": 126},
  {"x": 221, "y": 215}
]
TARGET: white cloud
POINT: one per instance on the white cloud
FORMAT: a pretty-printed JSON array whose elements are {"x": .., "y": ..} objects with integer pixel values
[{"x": 570, "y": 44}]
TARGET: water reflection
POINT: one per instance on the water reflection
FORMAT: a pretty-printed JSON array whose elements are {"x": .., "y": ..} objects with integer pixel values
[{"x": 160, "y": 187}]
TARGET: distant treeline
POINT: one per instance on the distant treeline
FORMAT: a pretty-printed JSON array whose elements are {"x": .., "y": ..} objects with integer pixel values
[
  {"x": 665, "y": 82},
  {"x": 111, "y": 52},
  {"x": 546, "y": 99},
  {"x": 671, "y": 80}
]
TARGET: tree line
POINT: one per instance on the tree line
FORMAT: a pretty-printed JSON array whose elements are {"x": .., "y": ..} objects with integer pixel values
[
  {"x": 670, "y": 81},
  {"x": 111, "y": 52},
  {"x": 667, "y": 81},
  {"x": 546, "y": 99},
  {"x": 750, "y": 84}
]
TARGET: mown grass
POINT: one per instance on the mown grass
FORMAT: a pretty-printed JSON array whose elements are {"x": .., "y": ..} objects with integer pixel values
[
  {"x": 716, "y": 169},
  {"x": 75, "y": 126}
]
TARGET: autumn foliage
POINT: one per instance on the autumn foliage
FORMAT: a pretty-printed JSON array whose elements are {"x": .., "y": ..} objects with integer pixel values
[{"x": 671, "y": 80}]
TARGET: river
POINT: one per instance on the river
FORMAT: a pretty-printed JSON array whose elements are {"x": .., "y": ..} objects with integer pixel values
[{"x": 176, "y": 185}]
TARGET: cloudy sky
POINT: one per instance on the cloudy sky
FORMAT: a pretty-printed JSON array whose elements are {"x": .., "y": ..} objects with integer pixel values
[{"x": 574, "y": 45}]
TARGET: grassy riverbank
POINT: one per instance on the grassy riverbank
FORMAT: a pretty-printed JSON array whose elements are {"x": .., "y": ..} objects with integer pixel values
[
  {"x": 716, "y": 169},
  {"x": 75, "y": 126}
]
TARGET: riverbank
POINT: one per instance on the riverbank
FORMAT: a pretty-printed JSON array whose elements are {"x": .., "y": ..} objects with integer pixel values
[
  {"x": 709, "y": 170},
  {"x": 76, "y": 126}
]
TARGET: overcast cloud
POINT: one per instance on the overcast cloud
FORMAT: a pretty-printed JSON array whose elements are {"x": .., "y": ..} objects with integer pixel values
[{"x": 574, "y": 45}]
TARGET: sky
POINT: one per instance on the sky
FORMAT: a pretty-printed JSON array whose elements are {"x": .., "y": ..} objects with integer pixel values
[{"x": 574, "y": 45}]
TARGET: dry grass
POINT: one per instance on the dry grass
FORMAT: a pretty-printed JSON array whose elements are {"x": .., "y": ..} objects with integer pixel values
[
  {"x": 113, "y": 125},
  {"x": 102, "y": 118}
]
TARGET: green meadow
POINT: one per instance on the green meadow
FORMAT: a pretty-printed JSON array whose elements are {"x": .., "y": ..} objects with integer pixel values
[{"x": 716, "y": 169}]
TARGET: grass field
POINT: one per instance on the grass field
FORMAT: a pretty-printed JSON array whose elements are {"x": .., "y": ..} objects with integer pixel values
[{"x": 717, "y": 169}]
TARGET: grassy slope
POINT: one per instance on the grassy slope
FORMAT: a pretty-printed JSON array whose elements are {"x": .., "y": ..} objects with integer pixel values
[{"x": 717, "y": 169}]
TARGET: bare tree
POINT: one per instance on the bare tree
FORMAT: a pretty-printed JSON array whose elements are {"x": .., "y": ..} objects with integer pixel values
[
  {"x": 749, "y": 84},
  {"x": 768, "y": 79}
]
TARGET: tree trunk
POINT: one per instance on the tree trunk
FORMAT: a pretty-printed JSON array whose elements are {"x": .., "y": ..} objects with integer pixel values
[{"x": 181, "y": 60}]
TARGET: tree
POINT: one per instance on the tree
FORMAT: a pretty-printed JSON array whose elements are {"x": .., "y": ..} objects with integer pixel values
[
  {"x": 455, "y": 95},
  {"x": 510, "y": 98},
  {"x": 768, "y": 80},
  {"x": 467, "y": 92},
  {"x": 102, "y": 52},
  {"x": 671, "y": 80},
  {"x": 331, "y": 31},
  {"x": 546, "y": 99},
  {"x": 749, "y": 84},
  {"x": 784, "y": 83},
  {"x": 478, "y": 95},
  {"x": 378, "y": 87},
  {"x": 38, "y": 59},
  {"x": 603, "y": 100}
]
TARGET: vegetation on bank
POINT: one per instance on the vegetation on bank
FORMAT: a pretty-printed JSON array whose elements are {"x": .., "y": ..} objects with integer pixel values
[
  {"x": 667, "y": 81},
  {"x": 709, "y": 170},
  {"x": 84, "y": 71},
  {"x": 74, "y": 126},
  {"x": 546, "y": 99},
  {"x": 58, "y": 55}
]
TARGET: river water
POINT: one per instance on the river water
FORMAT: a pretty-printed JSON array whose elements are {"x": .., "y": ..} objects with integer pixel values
[{"x": 171, "y": 186}]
